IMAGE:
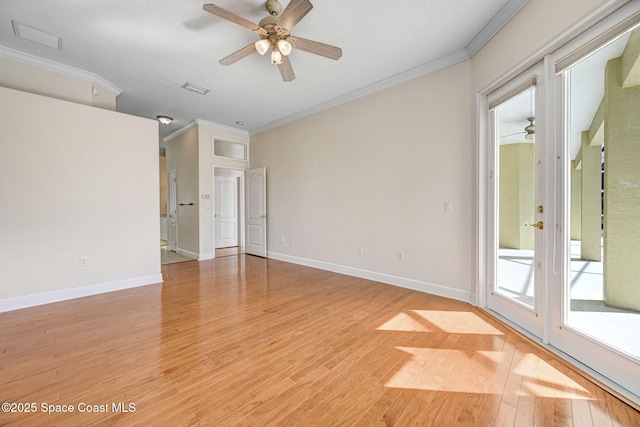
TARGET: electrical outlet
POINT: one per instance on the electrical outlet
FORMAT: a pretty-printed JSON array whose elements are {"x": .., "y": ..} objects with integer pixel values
[
  {"x": 401, "y": 255},
  {"x": 360, "y": 249},
  {"x": 291, "y": 240},
  {"x": 84, "y": 261},
  {"x": 281, "y": 239}
]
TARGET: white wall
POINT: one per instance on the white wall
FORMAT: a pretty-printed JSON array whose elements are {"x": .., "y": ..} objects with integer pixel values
[
  {"x": 182, "y": 157},
  {"x": 29, "y": 78},
  {"x": 377, "y": 172},
  {"x": 75, "y": 181}
]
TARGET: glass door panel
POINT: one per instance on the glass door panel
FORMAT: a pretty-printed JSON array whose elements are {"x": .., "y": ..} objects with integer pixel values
[
  {"x": 516, "y": 199},
  {"x": 604, "y": 286},
  {"x": 600, "y": 311},
  {"x": 515, "y": 212}
]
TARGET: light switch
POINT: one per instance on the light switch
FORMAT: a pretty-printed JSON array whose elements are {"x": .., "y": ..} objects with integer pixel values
[{"x": 448, "y": 206}]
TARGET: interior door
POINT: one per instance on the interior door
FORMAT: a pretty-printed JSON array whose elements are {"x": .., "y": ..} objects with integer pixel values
[
  {"x": 172, "y": 244},
  {"x": 256, "y": 207},
  {"x": 515, "y": 217},
  {"x": 226, "y": 211}
]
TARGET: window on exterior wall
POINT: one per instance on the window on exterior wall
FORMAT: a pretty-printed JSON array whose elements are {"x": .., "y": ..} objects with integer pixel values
[{"x": 230, "y": 149}]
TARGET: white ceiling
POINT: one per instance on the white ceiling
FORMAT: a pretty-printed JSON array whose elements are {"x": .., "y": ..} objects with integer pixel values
[{"x": 149, "y": 49}]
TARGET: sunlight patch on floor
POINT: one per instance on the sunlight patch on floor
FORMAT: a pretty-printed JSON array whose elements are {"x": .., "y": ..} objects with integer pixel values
[
  {"x": 475, "y": 372},
  {"x": 405, "y": 323},
  {"x": 457, "y": 322},
  {"x": 453, "y": 322}
]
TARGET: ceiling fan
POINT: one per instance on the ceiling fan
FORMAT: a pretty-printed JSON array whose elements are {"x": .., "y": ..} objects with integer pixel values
[
  {"x": 529, "y": 130},
  {"x": 275, "y": 33}
]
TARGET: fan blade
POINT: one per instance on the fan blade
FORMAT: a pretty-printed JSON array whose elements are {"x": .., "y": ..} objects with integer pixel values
[
  {"x": 286, "y": 71},
  {"x": 293, "y": 13},
  {"x": 316, "y": 48},
  {"x": 513, "y": 134},
  {"x": 237, "y": 56},
  {"x": 230, "y": 16}
]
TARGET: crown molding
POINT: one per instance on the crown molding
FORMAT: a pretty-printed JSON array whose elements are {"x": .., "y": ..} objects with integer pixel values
[
  {"x": 405, "y": 76},
  {"x": 180, "y": 131},
  {"x": 207, "y": 124},
  {"x": 497, "y": 22},
  {"x": 36, "y": 61},
  {"x": 218, "y": 126}
]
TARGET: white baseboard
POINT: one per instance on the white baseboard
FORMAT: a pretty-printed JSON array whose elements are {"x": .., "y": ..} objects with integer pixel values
[
  {"x": 188, "y": 253},
  {"x": 72, "y": 293},
  {"x": 206, "y": 256},
  {"x": 402, "y": 282}
]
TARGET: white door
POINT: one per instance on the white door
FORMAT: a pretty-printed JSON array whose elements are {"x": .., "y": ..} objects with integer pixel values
[
  {"x": 515, "y": 209},
  {"x": 172, "y": 244},
  {"x": 256, "y": 205},
  {"x": 226, "y": 211}
]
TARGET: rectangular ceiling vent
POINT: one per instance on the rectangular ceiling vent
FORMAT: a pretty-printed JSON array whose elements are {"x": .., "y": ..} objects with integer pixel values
[
  {"x": 195, "y": 88},
  {"x": 33, "y": 34}
]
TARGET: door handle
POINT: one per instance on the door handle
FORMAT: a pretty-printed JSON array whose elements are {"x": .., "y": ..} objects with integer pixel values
[{"x": 539, "y": 225}]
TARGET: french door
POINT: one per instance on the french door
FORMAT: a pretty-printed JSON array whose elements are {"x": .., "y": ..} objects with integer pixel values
[
  {"x": 515, "y": 209},
  {"x": 562, "y": 212}
]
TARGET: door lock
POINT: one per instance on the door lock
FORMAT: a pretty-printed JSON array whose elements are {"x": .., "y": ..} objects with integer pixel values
[{"x": 539, "y": 225}]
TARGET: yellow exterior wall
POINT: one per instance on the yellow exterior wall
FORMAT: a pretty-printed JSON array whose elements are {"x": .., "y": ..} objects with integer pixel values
[
  {"x": 516, "y": 196},
  {"x": 622, "y": 191}
]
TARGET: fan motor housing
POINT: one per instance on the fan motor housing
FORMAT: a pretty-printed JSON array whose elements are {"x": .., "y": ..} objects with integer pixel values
[{"x": 273, "y": 7}]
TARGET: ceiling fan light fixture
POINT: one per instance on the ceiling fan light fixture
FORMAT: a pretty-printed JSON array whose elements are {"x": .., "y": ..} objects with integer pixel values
[
  {"x": 262, "y": 46},
  {"x": 284, "y": 47},
  {"x": 165, "y": 120},
  {"x": 276, "y": 57}
]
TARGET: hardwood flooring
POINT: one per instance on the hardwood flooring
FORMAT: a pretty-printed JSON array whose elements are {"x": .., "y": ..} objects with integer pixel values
[
  {"x": 248, "y": 341},
  {"x": 231, "y": 251}
]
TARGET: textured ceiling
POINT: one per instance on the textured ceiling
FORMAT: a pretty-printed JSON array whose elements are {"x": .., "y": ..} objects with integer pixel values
[{"x": 149, "y": 49}]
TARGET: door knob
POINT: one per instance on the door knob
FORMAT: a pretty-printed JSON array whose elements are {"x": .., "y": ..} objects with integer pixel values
[{"x": 539, "y": 225}]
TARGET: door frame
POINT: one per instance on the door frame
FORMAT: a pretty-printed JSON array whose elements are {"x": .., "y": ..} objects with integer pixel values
[
  {"x": 235, "y": 172},
  {"x": 172, "y": 199}
]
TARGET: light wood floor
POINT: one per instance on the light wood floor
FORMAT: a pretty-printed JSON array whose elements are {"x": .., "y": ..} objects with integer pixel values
[{"x": 247, "y": 341}]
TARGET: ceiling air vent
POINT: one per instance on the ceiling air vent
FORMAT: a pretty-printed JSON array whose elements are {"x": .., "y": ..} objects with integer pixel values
[{"x": 30, "y": 33}]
